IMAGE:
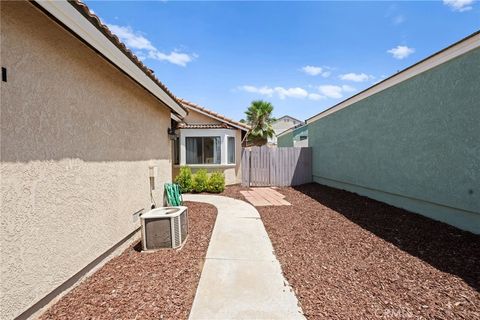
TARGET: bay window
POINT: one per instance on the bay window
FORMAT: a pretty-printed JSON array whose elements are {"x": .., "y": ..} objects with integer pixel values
[{"x": 207, "y": 147}]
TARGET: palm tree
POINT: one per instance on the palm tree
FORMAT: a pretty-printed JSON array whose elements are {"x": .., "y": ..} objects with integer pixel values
[{"x": 259, "y": 117}]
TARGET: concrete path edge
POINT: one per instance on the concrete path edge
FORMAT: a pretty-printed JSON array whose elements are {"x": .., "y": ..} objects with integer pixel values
[{"x": 241, "y": 277}]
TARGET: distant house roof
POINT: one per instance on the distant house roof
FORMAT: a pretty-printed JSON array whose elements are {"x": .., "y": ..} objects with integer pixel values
[
  {"x": 214, "y": 115},
  {"x": 291, "y": 129},
  {"x": 79, "y": 19},
  {"x": 290, "y": 117}
]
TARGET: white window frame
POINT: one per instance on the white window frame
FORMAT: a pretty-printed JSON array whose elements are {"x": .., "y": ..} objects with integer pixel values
[
  {"x": 222, "y": 133},
  {"x": 234, "y": 149}
]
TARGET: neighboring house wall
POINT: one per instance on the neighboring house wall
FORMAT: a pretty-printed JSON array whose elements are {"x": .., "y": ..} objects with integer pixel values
[
  {"x": 282, "y": 124},
  {"x": 300, "y": 136},
  {"x": 414, "y": 145},
  {"x": 285, "y": 140},
  {"x": 77, "y": 140},
  {"x": 294, "y": 138}
]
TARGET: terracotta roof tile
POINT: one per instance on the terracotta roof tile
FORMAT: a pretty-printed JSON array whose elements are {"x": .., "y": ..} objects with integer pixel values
[
  {"x": 204, "y": 126},
  {"x": 194, "y": 106},
  {"x": 95, "y": 20}
]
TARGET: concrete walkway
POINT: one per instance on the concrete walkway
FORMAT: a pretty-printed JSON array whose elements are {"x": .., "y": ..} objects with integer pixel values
[{"x": 241, "y": 277}]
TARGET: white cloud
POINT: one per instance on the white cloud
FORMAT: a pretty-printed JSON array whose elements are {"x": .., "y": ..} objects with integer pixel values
[
  {"x": 331, "y": 91},
  {"x": 324, "y": 92},
  {"x": 291, "y": 92},
  {"x": 132, "y": 39},
  {"x": 347, "y": 88},
  {"x": 266, "y": 91},
  {"x": 401, "y": 52},
  {"x": 312, "y": 70},
  {"x": 281, "y": 92},
  {"x": 315, "y": 96},
  {"x": 459, "y": 5},
  {"x": 140, "y": 55},
  {"x": 315, "y": 71},
  {"x": 398, "y": 19},
  {"x": 174, "y": 57},
  {"x": 335, "y": 92},
  {"x": 356, "y": 77},
  {"x": 394, "y": 15},
  {"x": 145, "y": 49}
]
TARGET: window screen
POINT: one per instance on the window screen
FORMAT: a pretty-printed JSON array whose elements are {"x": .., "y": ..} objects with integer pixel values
[
  {"x": 203, "y": 150},
  {"x": 231, "y": 149}
]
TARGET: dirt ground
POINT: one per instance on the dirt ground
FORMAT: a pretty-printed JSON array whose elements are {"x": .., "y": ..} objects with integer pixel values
[
  {"x": 135, "y": 285},
  {"x": 350, "y": 257}
]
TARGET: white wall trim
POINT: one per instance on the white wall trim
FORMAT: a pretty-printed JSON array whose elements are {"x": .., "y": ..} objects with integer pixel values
[
  {"x": 460, "y": 48},
  {"x": 75, "y": 21}
]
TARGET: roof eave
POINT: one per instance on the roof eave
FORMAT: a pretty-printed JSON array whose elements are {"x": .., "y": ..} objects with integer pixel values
[
  {"x": 458, "y": 48},
  {"x": 196, "y": 108},
  {"x": 70, "y": 15}
]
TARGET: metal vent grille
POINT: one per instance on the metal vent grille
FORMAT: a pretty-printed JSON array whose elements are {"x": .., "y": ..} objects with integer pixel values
[
  {"x": 184, "y": 224},
  {"x": 176, "y": 231}
]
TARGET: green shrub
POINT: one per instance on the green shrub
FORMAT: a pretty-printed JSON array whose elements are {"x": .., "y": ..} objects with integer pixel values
[
  {"x": 184, "y": 179},
  {"x": 200, "y": 180},
  {"x": 216, "y": 182}
]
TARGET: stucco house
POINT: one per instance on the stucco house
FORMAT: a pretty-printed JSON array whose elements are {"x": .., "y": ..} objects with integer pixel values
[
  {"x": 281, "y": 125},
  {"x": 84, "y": 128},
  {"x": 208, "y": 140},
  {"x": 294, "y": 137},
  {"x": 411, "y": 140}
]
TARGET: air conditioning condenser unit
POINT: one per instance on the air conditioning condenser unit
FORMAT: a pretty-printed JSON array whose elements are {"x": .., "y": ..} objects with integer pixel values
[{"x": 165, "y": 227}]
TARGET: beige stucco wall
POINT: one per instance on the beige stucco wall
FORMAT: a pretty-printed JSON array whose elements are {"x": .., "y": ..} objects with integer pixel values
[
  {"x": 197, "y": 117},
  {"x": 77, "y": 140}
]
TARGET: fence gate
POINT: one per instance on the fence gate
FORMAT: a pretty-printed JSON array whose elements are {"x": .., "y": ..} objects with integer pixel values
[{"x": 281, "y": 167}]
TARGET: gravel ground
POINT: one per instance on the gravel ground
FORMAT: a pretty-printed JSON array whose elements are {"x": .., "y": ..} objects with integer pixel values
[
  {"x": 350, "y": 257},
  {"x": 135, "y": 285}
]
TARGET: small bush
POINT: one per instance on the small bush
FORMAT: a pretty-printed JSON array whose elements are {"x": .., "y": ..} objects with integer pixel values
[
  {"x": 216, "y": 182},
  {"x": 200, "y": 180},
  {"x": 184, "y": 179}
]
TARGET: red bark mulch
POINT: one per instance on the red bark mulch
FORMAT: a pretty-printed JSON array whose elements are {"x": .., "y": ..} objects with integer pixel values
[
  {"x": 135, "y": 285},
  {"x": 351, "y": 257}
]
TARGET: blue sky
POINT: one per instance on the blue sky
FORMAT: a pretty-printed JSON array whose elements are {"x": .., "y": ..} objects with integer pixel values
[{"x": 302, "y": 56}]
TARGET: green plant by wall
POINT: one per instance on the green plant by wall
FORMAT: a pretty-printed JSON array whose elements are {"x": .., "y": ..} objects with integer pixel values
[
  {"x": 216, "y": 182},
  {"x": 200, "y": 180},
  {"x": 185, "y": 180}
]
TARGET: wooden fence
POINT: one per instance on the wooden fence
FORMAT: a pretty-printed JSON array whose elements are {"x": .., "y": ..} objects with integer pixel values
[{"x": 280, "y": 167}]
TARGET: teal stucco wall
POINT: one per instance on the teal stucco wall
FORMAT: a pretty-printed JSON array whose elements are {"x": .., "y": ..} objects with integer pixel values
[
  {"x": 415, "y": 145},
  {"x": 285, "y": 140},
  {"x": 300, "y": 131}
]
